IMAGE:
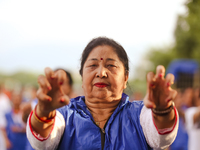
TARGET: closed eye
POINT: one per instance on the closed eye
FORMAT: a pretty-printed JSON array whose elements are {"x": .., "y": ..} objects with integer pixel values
[
  {"x": 93, "y": 65},
  {"x": 110, "y": 65}
]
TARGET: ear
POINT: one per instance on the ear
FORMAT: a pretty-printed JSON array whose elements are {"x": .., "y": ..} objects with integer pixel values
[{"x": 126, "y": 80}]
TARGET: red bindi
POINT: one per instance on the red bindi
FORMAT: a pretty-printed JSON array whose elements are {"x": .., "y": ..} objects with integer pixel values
[{"x": 101, "y": 58}]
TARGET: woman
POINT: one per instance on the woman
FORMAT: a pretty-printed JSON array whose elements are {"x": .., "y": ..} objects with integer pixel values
[{"x": 103, "y": 118}]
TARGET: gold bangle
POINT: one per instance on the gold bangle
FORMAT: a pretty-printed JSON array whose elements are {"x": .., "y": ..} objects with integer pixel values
[
  {"x": 163, "y": 112},
  {"x": 37, "y": 117},
  {"x": 41, "y": 119}
]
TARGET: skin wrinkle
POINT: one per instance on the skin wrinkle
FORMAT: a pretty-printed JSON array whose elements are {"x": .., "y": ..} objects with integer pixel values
[{"x": 110, "y": 71}]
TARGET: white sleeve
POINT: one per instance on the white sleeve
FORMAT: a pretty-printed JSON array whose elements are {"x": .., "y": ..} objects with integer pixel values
[
  {"x": 189, "y": 122},
  {"x": 157, "y": 139},
  {"x": 52, "y": 140}
]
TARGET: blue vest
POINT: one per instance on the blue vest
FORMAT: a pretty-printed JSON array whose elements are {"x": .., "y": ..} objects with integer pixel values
[{"x": 122, "y": 132}]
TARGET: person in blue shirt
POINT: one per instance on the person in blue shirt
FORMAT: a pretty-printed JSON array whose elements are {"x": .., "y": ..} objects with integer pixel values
[
  {"x": 103, "y": 118},
  {"x": 16, "y": 128}
]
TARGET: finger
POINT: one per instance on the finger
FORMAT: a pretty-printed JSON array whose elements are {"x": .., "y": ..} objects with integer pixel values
[
  {"x": 42, "y": 96},
  {"x": 49, "y": 73},
  {"x": 44, "y": 83},
  {"x": 169, "y": 80},
  {"x": 160, "y": 72},
  {"x": 148, "y": 103},
  {"x": 61, "y": 76},
  {"x": 64, "y": 100},
  {"x": 172, "y": 96},
  {"x": 150, "y": 81}
]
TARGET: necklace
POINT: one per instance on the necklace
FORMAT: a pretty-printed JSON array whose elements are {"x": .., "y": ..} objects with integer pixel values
[{"x": 97, "y": 122}]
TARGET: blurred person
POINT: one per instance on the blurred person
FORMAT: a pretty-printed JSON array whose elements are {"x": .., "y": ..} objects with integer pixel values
[
  {"x": 5, "y": 107},
  {"x": 137, "y": 95},
  {"x": 103, "y": 118},
  {"x": 183, "y": 101},
  {"x": 192, "y": 122},
  {"x": 16, "y": 128}
]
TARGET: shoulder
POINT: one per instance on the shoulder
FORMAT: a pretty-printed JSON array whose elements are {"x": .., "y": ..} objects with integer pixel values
[
  {"x": 133, "y": 109},
  {"x": 135, "y": 105},
  {"x": 75, "y": 104}
]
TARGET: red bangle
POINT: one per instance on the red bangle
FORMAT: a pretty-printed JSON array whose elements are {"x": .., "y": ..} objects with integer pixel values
[{"x": 43, "y": 119}]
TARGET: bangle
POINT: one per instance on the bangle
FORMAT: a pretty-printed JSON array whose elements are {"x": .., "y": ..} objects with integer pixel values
[
  {"x": 163, "y": 112},
  {"x": 42, "y": 119}
]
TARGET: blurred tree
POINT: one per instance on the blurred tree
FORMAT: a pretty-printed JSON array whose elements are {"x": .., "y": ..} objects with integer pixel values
[
  {"x": 23, "y": 78},
  {"x": 187, "y": 38},
  {"x": 186, "y": 42},
  {"x": 187, "y": 33}
]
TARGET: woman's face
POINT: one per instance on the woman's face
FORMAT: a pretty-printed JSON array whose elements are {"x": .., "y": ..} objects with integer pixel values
[{"x": 104, "y": 75}]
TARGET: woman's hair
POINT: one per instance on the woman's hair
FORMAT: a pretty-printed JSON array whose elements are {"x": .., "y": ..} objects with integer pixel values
[
  {"x": 68, "y": 75},
  {"x": 100, "y": 41}
]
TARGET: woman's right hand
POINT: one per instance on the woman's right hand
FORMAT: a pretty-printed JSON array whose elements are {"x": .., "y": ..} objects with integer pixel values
[{"x": 50, "y": 93}]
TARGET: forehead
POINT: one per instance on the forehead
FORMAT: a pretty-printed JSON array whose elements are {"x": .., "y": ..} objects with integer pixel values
[{"x": 104, "y": 52}]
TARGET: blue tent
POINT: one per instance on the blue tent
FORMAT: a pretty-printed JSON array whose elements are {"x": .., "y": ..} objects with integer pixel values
[{"x": 187, "y": 66}]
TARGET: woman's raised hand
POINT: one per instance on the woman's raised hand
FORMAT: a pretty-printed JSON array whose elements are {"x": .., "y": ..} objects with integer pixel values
[
  {"x": 50, "y": 93},
  {"x": 159, "y": 92}
]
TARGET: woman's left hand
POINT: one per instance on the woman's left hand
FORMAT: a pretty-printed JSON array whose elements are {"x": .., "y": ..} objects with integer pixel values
[{"x": 159, "y": 92}]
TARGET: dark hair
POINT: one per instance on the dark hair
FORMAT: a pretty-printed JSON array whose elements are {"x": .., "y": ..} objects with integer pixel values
[
  {"x": 99, "y": 41},
  {"x": 68, "y": 75}
]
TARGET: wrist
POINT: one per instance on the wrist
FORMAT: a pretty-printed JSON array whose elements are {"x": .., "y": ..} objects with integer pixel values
[
  {"x": 44, "y": 118},
  {"x": 163, "y": 111}
]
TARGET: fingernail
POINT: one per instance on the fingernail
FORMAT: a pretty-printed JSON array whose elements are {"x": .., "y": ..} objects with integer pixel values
[
  {"x": 168, "y": 83},
  {"x": 160, "y": 75},
  {"x": 152, "y": 85},
  {"x": 62, "y": 100},
  {"x": 48, "y": 99},
  {"x": 61, "y": 83},
  {"x": 49, "y": 88},
  {"x": 169, "y": 100},
  {"x": 151, "y": 107}
]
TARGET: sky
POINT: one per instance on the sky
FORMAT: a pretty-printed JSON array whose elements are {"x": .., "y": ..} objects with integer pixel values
[{"x": 48, "y": 33}]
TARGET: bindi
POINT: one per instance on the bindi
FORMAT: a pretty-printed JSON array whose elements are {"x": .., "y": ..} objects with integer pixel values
[{"x": 101, "y": 58}]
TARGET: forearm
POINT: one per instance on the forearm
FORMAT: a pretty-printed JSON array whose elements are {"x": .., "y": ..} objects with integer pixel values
[
  {"x": 162, "y": 137},
  {"x": 48, "y": 141},
  {"x": 164, "y": 121},
  {"x": 196, "y": 117},
  {"x": 43, "y": 129},
  {"x": 7, "y": 141}
]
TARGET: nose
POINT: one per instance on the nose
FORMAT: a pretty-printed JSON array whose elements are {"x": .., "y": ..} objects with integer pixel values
[{"x": 101, "y": 72}]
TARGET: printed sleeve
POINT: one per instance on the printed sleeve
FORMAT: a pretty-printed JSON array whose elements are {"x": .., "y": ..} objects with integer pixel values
[
  {"x": 52, "y": 140},
  {"x": 158, "y": 139}
]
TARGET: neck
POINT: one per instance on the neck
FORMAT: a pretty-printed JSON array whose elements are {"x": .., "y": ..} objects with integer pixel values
[{"x": 101, "y": 111}]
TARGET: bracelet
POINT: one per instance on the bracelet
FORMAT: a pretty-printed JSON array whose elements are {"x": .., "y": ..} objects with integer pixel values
[
  {"x": 163, "y": 112},
  {"x": 41, "y": 119}
]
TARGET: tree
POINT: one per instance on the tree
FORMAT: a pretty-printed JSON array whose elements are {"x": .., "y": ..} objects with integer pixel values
[{"x": 187, "y": 38}]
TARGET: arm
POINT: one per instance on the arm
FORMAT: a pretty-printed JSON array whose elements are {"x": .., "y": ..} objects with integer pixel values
[
  {"x": 7, "y": 141},
  {"x": 162, "y": 138},
  {"x": 159, "y": 97},
  {"x": 49, "y": 142},
  {"x": 43, "y": 121},
  {"x": 196, "y": 117},
  {"x": 159, "y": 101}
]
